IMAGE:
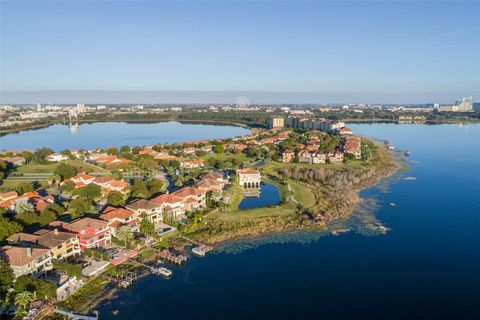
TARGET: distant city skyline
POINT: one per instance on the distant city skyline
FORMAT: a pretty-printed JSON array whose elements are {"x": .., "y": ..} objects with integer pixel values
[
  {"x": 213, "y": 52},
  {"x": 222, "y": 97}
]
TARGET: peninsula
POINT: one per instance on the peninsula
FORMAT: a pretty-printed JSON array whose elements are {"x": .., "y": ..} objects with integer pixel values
[{"x": 76, "y": 222}]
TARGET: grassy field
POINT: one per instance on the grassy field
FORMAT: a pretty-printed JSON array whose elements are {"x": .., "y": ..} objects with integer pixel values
[
  {"x": 253, "y": 213},
  {"x": 228, "y": 156},
  {"x": 81, "y": 166},
  {"x": 8, "y": 185},
  {"x": 37, "y": 168},
  {"x": 302, "y": 194}
]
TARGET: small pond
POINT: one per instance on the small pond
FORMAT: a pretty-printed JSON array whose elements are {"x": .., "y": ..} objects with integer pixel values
[{"x": 269, "y": 195}]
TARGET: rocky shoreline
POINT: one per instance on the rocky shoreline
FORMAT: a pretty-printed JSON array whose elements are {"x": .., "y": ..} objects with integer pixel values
[{"x": 337, "y": 193}]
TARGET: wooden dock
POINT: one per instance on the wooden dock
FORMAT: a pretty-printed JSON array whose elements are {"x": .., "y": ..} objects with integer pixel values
[
  {"x": 171, "y": 257},
  {"x": 124, "y": 281},
  {"x": 201, "y": 249}
]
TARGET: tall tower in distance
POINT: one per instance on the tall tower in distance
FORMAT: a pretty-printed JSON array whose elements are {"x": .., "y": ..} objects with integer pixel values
[
  {"x": 464, "y": 105},
  {"x": 276, "y": 122}
]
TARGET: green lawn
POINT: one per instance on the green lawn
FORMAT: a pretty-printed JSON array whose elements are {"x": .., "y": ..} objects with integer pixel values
[
  {"x": 228, "y": 156},
  {"x": 86, "y": 167},
  {"x": 9, "y": 185},
  {"x": 50, "y": 167},
  {"x": 302, "y": 194},
  {"x": 37, "y": 168},
  {"x": 285, "y": 209},
  {"x": 71, "y": 269},
  {"x": 236, "y": 193}
]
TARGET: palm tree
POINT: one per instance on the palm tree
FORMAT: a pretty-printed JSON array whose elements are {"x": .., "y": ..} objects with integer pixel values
[
  {"x": 23, "y": 299},
  {"x": 125, "y": 234}
]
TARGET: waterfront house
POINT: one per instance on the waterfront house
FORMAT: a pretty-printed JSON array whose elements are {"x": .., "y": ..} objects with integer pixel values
[
  {"x": 288, "y": 156},
  {"x": 304, "y": 156},
  {"x": 352, "y": 145},
  {"x": 27, "y": 260},
  {"x": 249, "y": 178},
  {"x": 62, "y": 245},
  {"x": 92, "y": 233},
  {"x": 335, "y": 157},
  {"x": 194, "y": 199},
  {"x": 172, "y": 205},
  {"x": 318, "y": 157},
  {"x": 117, "y": 217},
  {"x": 145, "y": 208},
  {"x": 345, "y": 131}
]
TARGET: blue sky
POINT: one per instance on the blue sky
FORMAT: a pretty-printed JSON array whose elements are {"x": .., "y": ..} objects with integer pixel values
[{"x": 272, "y": 51}]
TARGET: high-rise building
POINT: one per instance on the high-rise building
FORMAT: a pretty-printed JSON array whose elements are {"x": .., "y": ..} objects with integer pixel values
[
  {"x": 464, "y": 105},
  {"x": 276, "y": 122},
  {"x": 81, "y": 108}
]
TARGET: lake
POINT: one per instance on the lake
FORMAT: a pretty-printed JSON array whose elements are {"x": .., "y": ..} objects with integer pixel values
[
  {"x": 269, "y": 196},
  {"x": 116, "y": 134},
  {"x": 427, "y": 266}
]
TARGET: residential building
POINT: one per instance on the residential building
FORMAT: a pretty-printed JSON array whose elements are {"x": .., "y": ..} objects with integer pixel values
[
  {"x": 57, "y": 157},
  {"x": 14, "y": 161},
  {"x": 117, "y": 217},
  {"x": 62, "y": 245},
  {"x": 335, "y": 157},
  {"x": 318, "y": 157},
  {"x": 288, "y": 156},
  {"x": 352, "y": 145},
  {"x": 192, "y": 164},
  {"x": 145, "y": 208},
  {"x": 345, "y": 131},
  {"x": 194, "y": 199},
  {"x": 92, "y": 233},
  {"x": 304, "y": 156},
  {"x": 276, "y": 122},
  {"x": 172, "y": 206},
  {"x": 27, "y": 260},
  {"x": 210, "y": 185},
  {"x": 249, "y": 178}
]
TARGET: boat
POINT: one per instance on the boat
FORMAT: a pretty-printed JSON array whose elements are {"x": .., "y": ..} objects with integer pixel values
[
  {"x": 201, "y": 250},
  {"x": 198, "y": 251},
  {"x": 406, "y": 153},
  {"x": 390, "y": 146},
  {"x": 164, "y": 272}
]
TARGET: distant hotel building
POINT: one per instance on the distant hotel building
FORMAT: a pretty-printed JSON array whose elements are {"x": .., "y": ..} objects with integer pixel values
[
  {"x": 464, "y": 105},
  {"x": 276, "y": 122},
  {"x": 315, "y": 124}
]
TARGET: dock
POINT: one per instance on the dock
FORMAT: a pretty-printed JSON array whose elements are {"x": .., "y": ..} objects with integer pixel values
[
  {"x": 161, "y": 271},
  {"x": 171, "y": 257},
  {"x": 123, "y": 281},
  {"x": 201, "y": 249}
]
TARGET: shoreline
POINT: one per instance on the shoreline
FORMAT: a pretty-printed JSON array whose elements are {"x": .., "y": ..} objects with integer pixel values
[
  {"x": 225, "y": 122},
  {"x": 108, "y": 294}
]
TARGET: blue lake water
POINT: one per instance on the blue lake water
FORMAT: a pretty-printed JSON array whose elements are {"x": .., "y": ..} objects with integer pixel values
[
  {"x": 269, "y": 196},
  {"x": 426, "y": 267},
  {"x": 116, "y": 134}
]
